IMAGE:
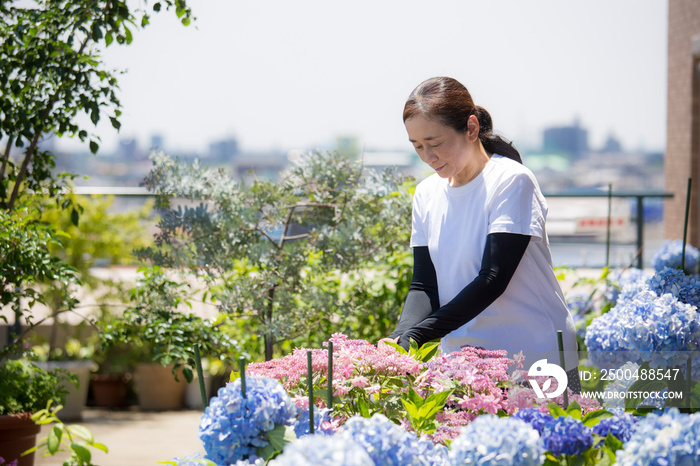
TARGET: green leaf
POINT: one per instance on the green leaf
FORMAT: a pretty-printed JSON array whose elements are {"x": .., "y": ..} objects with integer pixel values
[
  {"x": 395, "y": 346},
  {"x": 94, "y": 147},
  {"x": 556, "y": 411},
  {"x": 108, "y": 38},
  {"x": 574, "y": 410},
  {"x": 414, "y": 397},
  {"x": 75, "y": 217},
  {"x": 411, "y": 409},
  {"x": 278, "y": 438},
  {"x": 81, "y": 432},
  {"x": 613, "y": 443},
  {"x": 82, "y": 452},
  {"x": 127, "y": 34},
  {"x": 363, "y": 408},
  {"x": 53, "y": 441},
  {"x": 100, "y": 446},
  {"x": 594, "y": 417}
]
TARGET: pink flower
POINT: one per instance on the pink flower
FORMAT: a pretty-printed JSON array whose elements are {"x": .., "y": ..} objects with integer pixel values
[{"x": 359, "y": 381}]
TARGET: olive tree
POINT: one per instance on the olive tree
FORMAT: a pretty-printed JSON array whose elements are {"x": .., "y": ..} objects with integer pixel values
[{"x": 269, "y": 250}]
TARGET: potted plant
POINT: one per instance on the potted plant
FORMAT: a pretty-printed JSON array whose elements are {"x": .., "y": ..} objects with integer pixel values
[
  {"x": 24, "y": 390},
  {"x": 165, "y": 336},
  {"x": 75, "y": 356}
]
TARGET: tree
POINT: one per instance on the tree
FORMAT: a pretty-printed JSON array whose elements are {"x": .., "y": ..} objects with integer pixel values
[
  {"x": 52, "y": 74},
  {"x": 269, "y": 250}
]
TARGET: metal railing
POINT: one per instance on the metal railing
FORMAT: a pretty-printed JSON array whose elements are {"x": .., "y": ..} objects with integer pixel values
[{"x": 638, "y": 195}]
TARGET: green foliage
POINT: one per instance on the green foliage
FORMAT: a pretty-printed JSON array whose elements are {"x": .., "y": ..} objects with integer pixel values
[
  {"x": 27, "y": 264},
  {"x": 74, "y": 438},
  {"x": 286, "y": 255},
  {"x": 421, "y": 412},
  {"x": 154, "y": 324},
  {"x": 27, "y": 388}
]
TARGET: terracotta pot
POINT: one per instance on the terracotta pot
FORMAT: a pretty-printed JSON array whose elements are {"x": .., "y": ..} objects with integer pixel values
[
  {"x": 109, "y": 390},
  {"x": 17, "y": 435},
  {"x": 157, "y": 388}
]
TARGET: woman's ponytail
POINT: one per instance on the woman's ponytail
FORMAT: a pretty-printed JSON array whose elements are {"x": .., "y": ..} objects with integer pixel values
[{"x": 493, "y": 143}]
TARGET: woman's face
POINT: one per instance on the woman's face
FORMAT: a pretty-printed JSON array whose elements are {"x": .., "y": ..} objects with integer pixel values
[{"x": 447, "y": 152}]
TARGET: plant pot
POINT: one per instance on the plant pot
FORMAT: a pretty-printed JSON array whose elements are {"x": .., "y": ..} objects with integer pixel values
[
  {"x": 109, "y": 390},
  {"x": 77, "y": 396},
  {"x": 157, "y": 388},
  {"x": 18, "y": 434},
  {"x": 193, "y": 395}
]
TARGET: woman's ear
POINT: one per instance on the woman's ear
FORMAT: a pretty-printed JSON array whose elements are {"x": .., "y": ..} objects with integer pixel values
[{"x": 473, "y": 128}]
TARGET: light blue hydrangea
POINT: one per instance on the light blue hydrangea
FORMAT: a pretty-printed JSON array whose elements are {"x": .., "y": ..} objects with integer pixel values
[
  {"x": 619, "y": 278},
  {"x": 391, "y": 445},
  {"x": 670, "y": 253},
  {"x": 322, "y": 450},
  {"x": 676, "y": 283},
  {"x": 233, "y": 427},
  {"x": 670, "y": 439},
  {"x": 321, "y": 417},
  {"x": 195, "y": 459},
  {"x": 648, "y": 327},
  {"x": 490, "y": 440},
  {"x": 566, "y": 436},
  {"x": 580, "y": 304}
]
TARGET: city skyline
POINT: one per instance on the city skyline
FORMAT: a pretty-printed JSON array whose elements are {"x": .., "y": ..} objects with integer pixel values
[{"x": 296, "y": 76}]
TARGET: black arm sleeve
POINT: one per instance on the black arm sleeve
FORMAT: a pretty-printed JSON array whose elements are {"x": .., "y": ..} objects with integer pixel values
[
  {"x": 422, "y": 298},
  {"x": 502, "y": 254}
]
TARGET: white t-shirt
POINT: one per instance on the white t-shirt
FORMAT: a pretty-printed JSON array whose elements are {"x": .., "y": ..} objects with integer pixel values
[{"x": 454, "y": 222}]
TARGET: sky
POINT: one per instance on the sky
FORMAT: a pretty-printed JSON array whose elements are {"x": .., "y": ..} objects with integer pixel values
[{"x": 296, "y": 74}]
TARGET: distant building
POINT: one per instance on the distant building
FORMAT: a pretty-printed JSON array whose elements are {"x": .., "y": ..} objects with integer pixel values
[
  {"x": 683, "y": 118},
  {"x": 224, "y": 150},
  {"x": 566, "y": 140}
]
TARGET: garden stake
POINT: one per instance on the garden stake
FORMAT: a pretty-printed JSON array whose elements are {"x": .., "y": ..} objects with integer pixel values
[
  {"x": 560, "y": 341},
  {"x": 685, "y": 224},
  {"x": 198, "y": 364},
  {"x": 330, "y": 375},
  {"x": 607, "y": 238},
  {"x": 689, "y": 379},
  {"x": 311, "y": 393},
  {"x": 241, "y": 365}
]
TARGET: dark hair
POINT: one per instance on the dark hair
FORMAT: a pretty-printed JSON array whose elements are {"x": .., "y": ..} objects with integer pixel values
[{"x": 446, "y": 100}]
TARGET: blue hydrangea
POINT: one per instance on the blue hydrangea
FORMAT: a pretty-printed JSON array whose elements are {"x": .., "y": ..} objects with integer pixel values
[
  {"x": 613, "y": 400},
  {"x": 671, "y": 439},
  {"x": 670, "y": 253},
  {"x": 533, "y": 416},
  {"x": 233, "y": 427},
  {"x": 621, "y": 426},
  {"x": 678, "y": 284},
  {"x": 391, "y": 445},
  {"x": 321, "y": 416},
  {"x": 566, "y": 436},
  {"x": 318, "y": 450},
  {"x": 618, "y": 279},
  {"x": 648, "y": 327},
  {"x": 490, "y": 440},
  {"x": 580, "y": 304}
]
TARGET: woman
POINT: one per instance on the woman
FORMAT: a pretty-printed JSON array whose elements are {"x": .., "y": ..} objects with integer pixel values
[{"x": 483, "y": 272}]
